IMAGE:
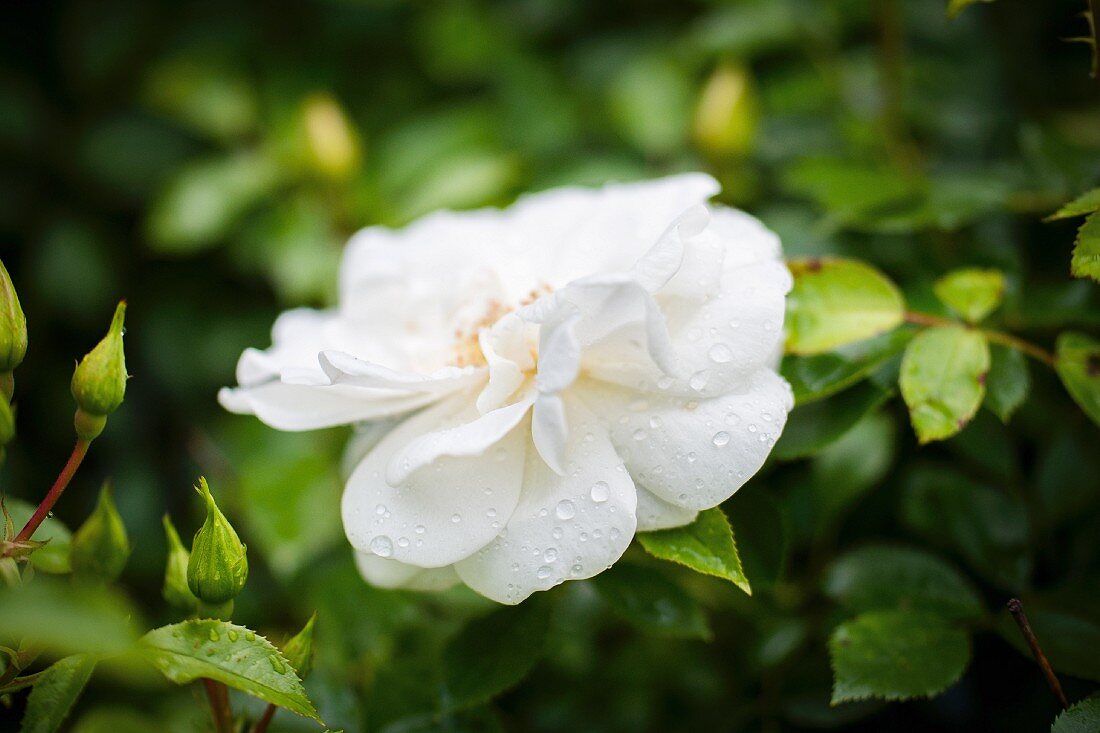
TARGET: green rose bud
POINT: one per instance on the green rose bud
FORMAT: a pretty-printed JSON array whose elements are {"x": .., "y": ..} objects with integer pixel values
[
  {"x": 175, "y": 590},
  {"x": 7, "y": 423},
  {"x": 100, "y": 548},
  {"x": 299, "y": 649},
  {"x": 99, "y": 382},
  {"x": 13, "y": 327},
  {"x": 218, "y": 567}
]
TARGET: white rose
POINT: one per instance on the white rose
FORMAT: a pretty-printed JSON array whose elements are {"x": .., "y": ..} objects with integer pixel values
[{"x": 536, "y": 384}]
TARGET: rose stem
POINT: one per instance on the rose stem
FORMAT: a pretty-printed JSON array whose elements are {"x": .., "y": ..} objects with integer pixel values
[{"x": 1016, "y": 608}]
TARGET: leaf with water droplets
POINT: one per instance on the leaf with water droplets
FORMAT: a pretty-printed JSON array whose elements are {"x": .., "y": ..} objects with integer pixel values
[
  {"x": 706, "y": 546},
  {"x": 219, "y": 650}
]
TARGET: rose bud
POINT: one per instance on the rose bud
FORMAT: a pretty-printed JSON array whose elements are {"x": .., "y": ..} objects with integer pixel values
[
  {"x": 99, "y": 382},
  {"x": 100, "y": 547},
  {"x": 218, "y": 567},
  {"x": 13, "y": 331},
  {"x": 175, "y": 590}
]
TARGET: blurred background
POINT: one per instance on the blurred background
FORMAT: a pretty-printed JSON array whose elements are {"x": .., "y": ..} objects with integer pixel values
[{"x": 207, "y": 161}]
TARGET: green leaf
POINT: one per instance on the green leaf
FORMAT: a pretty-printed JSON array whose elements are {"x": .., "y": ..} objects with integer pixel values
[
  {"x": 493, "y": 653},
  {"x": 55, "y": 692},
  {"x": 652, "y": 602},
  {"x": 1086, "y": 250},
  {"x": 1077, "y": 360},
  {"x": 706, "y": 546},
  {"x": 814, "y": 427},
  {"x": 68, "y": 618},
  {"x": 757, "y": 523},
  {"x": 1083, "y": 717},
  {"x": 989, "y": 528},
  {"x": 836, "y": 302},
  {"x": 942, "y": 380},
  {"x": 851, "y": 193},
  {"x": 222, "y": 651},
  {"x": 1008, "y": 382},
  {"x": 203, "y": 201},
  {"x": 818, "y": 376},
  {"x": 896, "y": 655},
  {"x": 972, "y": 293},
  {"x": 1084, "y": 204},
  {"x": 885, "y": 578},
  {"x": 954, "y": 7},
  {"x": 53, "y": 557}
]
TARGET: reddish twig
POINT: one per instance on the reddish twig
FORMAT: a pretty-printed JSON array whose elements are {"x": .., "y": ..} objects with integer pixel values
[
  {"x": 265, "y": 720},
  {"x": 79, "y": 451},
  {"x": 219, "y": 706}
]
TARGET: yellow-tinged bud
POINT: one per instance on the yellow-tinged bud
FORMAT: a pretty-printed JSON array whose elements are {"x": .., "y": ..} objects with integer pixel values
[
  {"x": 726, "y": 115},
  {"x": 218, "y": 567},
  {"x": 99, "y": 382},
  {"x": 332, "y": 141},
  {"x": 176, "y": 591},
  {"x": 299, "y": 649},
  {"x": 100, "y": 547},
  {"x": 13, "y": 325}
]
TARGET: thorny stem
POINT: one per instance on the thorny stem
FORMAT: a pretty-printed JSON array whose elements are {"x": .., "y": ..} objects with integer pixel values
[
  {"x": 998, "y": 337},
  {"x": 219, "y": 706},
  {"x": 79, "y": 451},
  {"x": 265, "y": 719},
  {"x": 1016, "y": 608}
]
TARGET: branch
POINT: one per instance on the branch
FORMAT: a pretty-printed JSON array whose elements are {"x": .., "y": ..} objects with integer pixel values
[{"x": 1016, "y": 608}]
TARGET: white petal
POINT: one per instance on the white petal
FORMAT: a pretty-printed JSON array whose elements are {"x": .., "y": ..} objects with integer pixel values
[
  {"x": 393, "y": 574},
  {"x": 508, "y": 356},
  {"x": 695, "y": 454},
  {"x": 308, "y": 407},
  {"x": 363, "y": 438},
  {"x": 666, "y": 258},
  {"x": 550, "y": 431},
  {"x": 559, "y": 352},
  {"x": 655, "y": 513},
  {"x": 446, "y": 510},
  {"x": 468, "y": 439},
  {"x": 343, "y": 368},
  {"x": 565, "y": 527}
]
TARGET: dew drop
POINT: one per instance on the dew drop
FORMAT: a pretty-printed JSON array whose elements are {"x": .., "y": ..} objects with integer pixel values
[
  {"x": 382, "y": 546},
  {"x": 276, "y": 665},
  {"x": 698, "y": 380},
  {"x": 232, "y": 635},
  {"x": 543, "y": 572},
  {"x": 600, "y": 492},
  {"x": 214, "y": 636},
  {"x": 720, "y": 354},
  {"x": 721, "y": 438},
  {"x": 249, "y": 636},
  {"x": 565, "y": 509},
  {"x": 456, "y": 518},
  {"x": 419, "y": 529},
  {"x": 380, "y": 509},
  {"x": 550, "y": 555},
  {"x": 639, "y": 434}
]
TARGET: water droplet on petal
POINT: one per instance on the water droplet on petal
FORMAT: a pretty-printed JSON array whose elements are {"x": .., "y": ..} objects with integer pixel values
[
  {"x": 565, "y": 509},
  {"x": 382, "y": 546},
  {"x": 600, "y": 492},
  {"x": 721, "y": 438},
  {"x": 720, "y": 354},
  {"x": 543, "y": 572}
]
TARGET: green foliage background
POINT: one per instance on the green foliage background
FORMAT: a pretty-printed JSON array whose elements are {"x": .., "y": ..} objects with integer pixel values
[{"x": 208, "y": 160}]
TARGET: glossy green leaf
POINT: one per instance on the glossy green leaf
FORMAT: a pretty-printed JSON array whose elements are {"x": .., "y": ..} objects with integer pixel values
[
  {"x": 53, "y": 557},
  {"x": 836, "y": 302},
  {"x": 55, "y": 692},
  {"x": 896, "y": 655},
  {"x": 943, "y": 376},
  {"x": 973, "y": 293},
  {"x": 493, "y": 653},
  {"x": 883, "y": 578},
  {"x": 652, "y": 602},
  {"x": 818, "y": 376},
  {"x": 706, "y": 546},
  {"x": 1083, "y": 205},
  {"x": 1077, "y": 359},
  {"x": 68, "y": 618},
  {"x": 812, "y": 428},
  {"x": 219, "y": 650},
  {"x": 1008, "y": 382},
  {"x": 954, "y": 7},
  {"x": 1083, "y": 717}
]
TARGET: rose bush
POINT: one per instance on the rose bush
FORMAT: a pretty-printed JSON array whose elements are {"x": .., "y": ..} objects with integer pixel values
[{"x": 536, "y": 384}]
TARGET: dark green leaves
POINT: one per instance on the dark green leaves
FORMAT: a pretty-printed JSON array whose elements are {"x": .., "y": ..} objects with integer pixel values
[
  {"x": 881, "y": 578},
  {"x": 813, "y": 427},
  {"x": 232, "y": 654},
  {"x": 55, "y": 692},
  {"x": 652, "y": 602},
  {"x": 943, "y": 376},
  {"x": 1008, "y": 381},
  {"x": 836, "y": 302},
  {"x": 895, "y": 655},
  {"x": 706, "y": 546},
  {"x": 493, "y": 653},
  {"x": 954, "y": 7},
  {"x": 818, "y": 376},
  {"x": 1077, "y": 360}
]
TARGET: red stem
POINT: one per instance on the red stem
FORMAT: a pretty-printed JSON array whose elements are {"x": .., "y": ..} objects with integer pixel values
[
  {"x": 219, "y": 706},
  {"x": 265, "y": 720},
  {"x": 79, "y": 451}
]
